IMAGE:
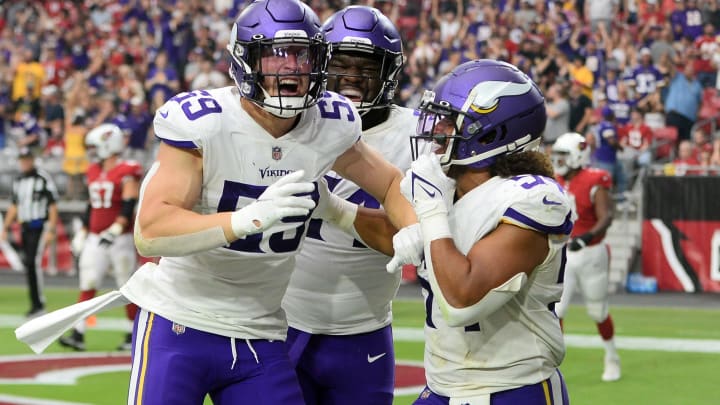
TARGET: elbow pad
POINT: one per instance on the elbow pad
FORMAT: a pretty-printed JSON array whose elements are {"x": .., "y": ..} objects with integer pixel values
[{"x": 491, "y": 302}]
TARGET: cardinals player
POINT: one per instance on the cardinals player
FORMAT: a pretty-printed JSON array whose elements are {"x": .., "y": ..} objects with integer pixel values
[
  {"x": 588, "y": 256},
  {"x": 107, "y": 241}
]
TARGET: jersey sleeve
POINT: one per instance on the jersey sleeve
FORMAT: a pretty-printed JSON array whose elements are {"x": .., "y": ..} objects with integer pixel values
[
  {"x": 544, "y": 207},
  {"x": 601, "y": 178},
  {"x": 342, "y": 126},
  {"x": 185, "y": 120},
  {"x": 133, "y": 169}
]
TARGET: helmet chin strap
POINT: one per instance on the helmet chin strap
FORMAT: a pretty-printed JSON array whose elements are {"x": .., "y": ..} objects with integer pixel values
[{"x": 274, "y": 105}]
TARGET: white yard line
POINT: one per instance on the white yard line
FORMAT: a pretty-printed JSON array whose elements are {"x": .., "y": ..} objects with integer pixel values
[
  {"x": 416, "y": 335},
  {"x": 12, "y": 399},
  {"x": 594, "y": 341}
]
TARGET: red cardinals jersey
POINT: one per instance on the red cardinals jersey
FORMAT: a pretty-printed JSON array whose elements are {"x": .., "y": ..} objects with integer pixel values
[
  {"x": 636, "y": 136},
  {"x": 105, "y": 190},
  {"x": 582, "y": 187}
]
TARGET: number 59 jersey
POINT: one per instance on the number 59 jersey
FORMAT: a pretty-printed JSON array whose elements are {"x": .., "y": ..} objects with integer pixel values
[
  {"x": 521, "y": 343},
  {"x": 236, "y": 290}
]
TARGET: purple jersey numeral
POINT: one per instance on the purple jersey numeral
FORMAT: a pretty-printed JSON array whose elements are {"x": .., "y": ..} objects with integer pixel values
[
  {"x": 278, "y": 242},
  {"x": 333, "y": 111},
  {"x": 196, "y": 104}
]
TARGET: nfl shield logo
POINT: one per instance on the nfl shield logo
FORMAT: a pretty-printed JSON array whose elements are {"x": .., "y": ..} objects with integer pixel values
[
  {"x": 276, "y": 153},
  {"x": 178, "y": 329}
]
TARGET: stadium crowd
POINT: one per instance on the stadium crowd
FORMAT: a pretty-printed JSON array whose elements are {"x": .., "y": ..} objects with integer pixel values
[{"x": 628, "y": 74}]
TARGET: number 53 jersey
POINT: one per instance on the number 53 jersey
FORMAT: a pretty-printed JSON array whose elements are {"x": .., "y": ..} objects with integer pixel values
[
  {"x": 236, "y": 290},
  {"x": 520, "y": 343}
]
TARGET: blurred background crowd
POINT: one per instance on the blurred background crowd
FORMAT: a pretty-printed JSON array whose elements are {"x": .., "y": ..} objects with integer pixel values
[{"x": 637, "y": 77}]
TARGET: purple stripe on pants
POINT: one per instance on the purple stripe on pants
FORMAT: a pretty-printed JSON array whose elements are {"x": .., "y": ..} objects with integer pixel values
[{"x": 174, "y": 364}]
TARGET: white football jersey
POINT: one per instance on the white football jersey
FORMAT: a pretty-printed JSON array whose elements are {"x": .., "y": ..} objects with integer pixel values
[
  {"x": 521, "y": 343},
  {"x": 237, "y": 290},
  {"x": 339, "y": 286}
]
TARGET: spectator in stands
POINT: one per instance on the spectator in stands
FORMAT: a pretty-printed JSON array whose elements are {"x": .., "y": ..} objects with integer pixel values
[
  {"x": 601, "y": 12},
  {"x": 706, "y": 46},
  {"x": 715, "y": 157},
  {"x": 706, "y": 163},
  {"x": 685, "y": 163},
  {"x": 448, "y": 20},
  {"x": 52, "y": 116},
  {"x": 683, "y": 101},
  {"x": 580, "y": 74},
  {"x": 26, "y": 132},
  {"x": 607, "y": 145},
  {"x": 137, "y": 125},
  {"x": 5, "y": 113},
  {"x": 580, "y": 108},
  {"x": 635, "y": 139},
  {"x": 208, "y": 77},
  {"x": 558, "y": 113},
  {"x": 662, "y": 43},
  {"x": 645, "y": 77},
  {"x": 75, "y": 162},
  {"x": 161, "y": 82},
  {"x": 622, "y": 105},
  {"x": 28, "y": 81},
  {"x": 34, "y": 207},
  {"x": 692, "y": 24},
  {"x": 700, "y": 140}
]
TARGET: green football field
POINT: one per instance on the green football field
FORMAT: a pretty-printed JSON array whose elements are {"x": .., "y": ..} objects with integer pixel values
[{"x": 669, "y": 356}]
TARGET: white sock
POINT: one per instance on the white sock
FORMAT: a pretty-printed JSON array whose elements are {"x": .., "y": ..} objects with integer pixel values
[{"x": 610, "y": 349}]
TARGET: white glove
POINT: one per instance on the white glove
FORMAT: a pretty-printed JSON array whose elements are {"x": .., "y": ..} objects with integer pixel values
[
  {"x": 334, "y": 209},
  {"x": 78, "y": 242},
  {"x": 429, "y": 191},
  {"x": 408, "y": 246},
  {"x": 278, "y": 201},
  {"x": 107, "y": 237}
]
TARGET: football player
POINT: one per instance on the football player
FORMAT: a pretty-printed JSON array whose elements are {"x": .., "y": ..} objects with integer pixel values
[
  {"x": 338, "y": 302},
  {"x": 588, "y": 257},
  {"x": 106, "y": 239},
  {"x": 227, "y": 205},
  {"x": 494, "y": 229}
]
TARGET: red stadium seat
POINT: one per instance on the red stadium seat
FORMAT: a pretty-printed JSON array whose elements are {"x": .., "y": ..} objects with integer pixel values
[{"x": 664, "y": 141}]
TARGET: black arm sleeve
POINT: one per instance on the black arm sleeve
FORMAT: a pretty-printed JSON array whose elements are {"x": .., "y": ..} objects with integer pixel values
[
  {"x": 85, "y": 218},
  {"x": 128, "y": 208}
]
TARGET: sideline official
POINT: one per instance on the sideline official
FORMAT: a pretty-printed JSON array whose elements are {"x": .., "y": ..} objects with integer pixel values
[{"x": 34, "y": 206}]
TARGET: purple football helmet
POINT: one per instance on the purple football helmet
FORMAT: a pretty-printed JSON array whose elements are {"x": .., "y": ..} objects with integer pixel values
[
  {"x": 278, "y": 43},
  {"x": 365, "y": 31},
  {"x": 482, "y": 109}
]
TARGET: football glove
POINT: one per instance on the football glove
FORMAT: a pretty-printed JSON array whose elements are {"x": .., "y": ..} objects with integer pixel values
[
  {"x": 78, "y": 242},
  {"x": 278, "y": 201},
  {"x": 430, "y": 192},
  {"x": 408, "y": 247},
  {"x": 108, "y": 236},
  {"x": 334, "y": 209},
  {"x": 580, "y": 242}
]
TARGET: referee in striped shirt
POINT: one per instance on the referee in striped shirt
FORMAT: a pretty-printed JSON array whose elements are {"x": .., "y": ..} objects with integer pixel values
[{"x": 34, "y": 206}]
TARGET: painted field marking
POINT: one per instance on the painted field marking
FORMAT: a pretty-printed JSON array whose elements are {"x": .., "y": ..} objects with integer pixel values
[{"x": 593, "y": 341}]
